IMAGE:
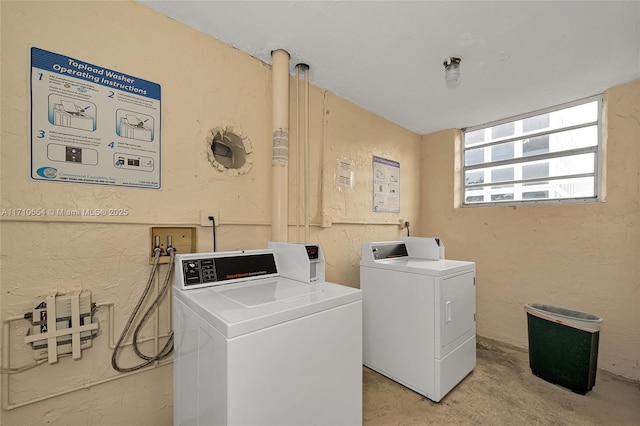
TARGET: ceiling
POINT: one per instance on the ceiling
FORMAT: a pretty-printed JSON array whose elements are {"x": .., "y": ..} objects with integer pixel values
[{"x": 387, "y": 56}]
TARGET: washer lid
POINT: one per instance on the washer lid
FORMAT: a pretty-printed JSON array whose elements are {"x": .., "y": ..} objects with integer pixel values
[
  {"x": 237, "y": 309},
  {"x": 256, "y": 294}
]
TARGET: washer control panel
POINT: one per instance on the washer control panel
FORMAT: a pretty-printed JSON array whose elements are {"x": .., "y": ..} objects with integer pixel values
[
  {"x": 208, "y": 269},
  {"x": 197, "y": 271}
]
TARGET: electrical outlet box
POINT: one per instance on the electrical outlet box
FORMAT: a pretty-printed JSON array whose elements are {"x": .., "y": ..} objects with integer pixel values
[{"x": 183, "y": 239}]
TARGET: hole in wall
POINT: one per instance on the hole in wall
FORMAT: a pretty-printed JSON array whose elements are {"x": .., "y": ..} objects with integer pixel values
[{"x": 229, "y": 151}]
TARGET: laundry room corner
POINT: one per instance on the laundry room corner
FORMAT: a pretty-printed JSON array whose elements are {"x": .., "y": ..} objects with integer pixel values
[{"x": 581, "y": 256}]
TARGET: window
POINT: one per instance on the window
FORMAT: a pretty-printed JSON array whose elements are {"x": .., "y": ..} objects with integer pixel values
[{"x": 545, "y": 156}]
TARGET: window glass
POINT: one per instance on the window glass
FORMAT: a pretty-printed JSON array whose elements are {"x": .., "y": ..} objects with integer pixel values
[
  {"x": 502, "y": 175},
  {"x": 504, "y": 151},
  {"x": 474, "y": 156},
  {"x": 507, "y": 196},
  {"x": 538, "y": 122},
  {"x": 473, "y": 138},
  {"x": 532, "y": 195},
  {"x": 550, "y": 155},
  {"x": 502, "y": 130},
  {"x": 535, "y": 146},
  {"x": 537, "y": 170},
  {"x": 474, "y": 177},
  {"x": 475, "y": 198}
]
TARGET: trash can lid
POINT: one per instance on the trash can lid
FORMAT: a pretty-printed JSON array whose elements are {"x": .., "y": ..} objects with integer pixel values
[{"x": 576, "y": 319}]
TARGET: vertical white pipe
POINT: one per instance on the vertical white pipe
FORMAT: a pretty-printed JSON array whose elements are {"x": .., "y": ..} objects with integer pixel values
[
  {"x": 280, "y": 147},
  {"x": 306, "y": 154},
  {"x": 5, "y": 364},
  {"x": 302, "y": 143},
  {"x": 299, "y": 162},
  {"x": 326, "y": 181}
]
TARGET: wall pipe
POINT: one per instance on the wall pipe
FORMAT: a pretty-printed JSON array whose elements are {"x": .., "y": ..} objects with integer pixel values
[
  {"x": 6, "y": 402},
  {"x": 5, "y": 358},
  {"x": 326, "y": 180},
  {"x": 280, "y": 147},
  {"x": 302, "y": 143},
  {"x": 329, "y": 221},
  {"x": 299, "y": 149},
  {"x": 306, "y": 154},
  {"x": 6, "y": 361}
]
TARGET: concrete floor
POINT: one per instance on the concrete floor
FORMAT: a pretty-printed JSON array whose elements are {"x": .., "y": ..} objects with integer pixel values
[{"x": 501, "y": 390}]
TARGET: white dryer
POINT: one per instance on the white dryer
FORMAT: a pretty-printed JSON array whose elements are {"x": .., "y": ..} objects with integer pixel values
[
  {"x": 418, "y": 314},
  {"x": 253, "y": 347}
]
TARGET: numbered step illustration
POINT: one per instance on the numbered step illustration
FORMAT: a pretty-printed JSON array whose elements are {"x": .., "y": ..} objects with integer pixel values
[
  {"x": 74, "y": 113},
  {"x": 72, "y": 154},
  {"x": 134, "y": 125},
  {"x": 132, "y": 162}
]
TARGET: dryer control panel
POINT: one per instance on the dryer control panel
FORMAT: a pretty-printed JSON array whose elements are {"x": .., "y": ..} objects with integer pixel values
[
  {"x": 383, "y": 250},
  {"x": 414, "y": 247},
  {"x": 389, "y": 251}
]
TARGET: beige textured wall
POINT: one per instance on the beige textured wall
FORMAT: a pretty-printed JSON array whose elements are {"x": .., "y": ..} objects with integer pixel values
[
  {"x": 205, "y": 84},
  {"x": 580, "y": 256},
  {"x": 348, "y": 217}
]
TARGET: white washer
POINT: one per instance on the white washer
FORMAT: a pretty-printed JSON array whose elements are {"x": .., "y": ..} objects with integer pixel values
[
  {"x": 253, "y": 347},
  {"x": 418, "y": 314}
]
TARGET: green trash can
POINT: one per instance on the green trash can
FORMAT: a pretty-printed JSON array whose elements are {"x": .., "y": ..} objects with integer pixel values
[{"x": 563, "y": 346}]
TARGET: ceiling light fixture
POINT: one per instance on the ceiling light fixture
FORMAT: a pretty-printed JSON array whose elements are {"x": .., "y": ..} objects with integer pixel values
[{"x": 452, "y": 72}]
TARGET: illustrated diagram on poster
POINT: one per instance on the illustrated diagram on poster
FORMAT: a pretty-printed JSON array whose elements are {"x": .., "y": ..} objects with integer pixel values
[
  {"x": 134, "y": 125},
  {"x": 94, "y": 125},
  {"x": 386, "y": 185},
  {"x": 66, "y": 113}
]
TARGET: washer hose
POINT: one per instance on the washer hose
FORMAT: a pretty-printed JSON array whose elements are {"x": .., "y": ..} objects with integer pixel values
[{"x": 168, "y": 347}]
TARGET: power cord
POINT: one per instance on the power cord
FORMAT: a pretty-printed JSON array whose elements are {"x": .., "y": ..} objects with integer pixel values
[{"x": 213, "y": 219}]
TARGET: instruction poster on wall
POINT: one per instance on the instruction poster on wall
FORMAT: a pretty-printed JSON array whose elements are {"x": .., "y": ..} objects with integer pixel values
[
  {"x": 93, "y": 125},
  {"x": 386, "y": 185}
]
